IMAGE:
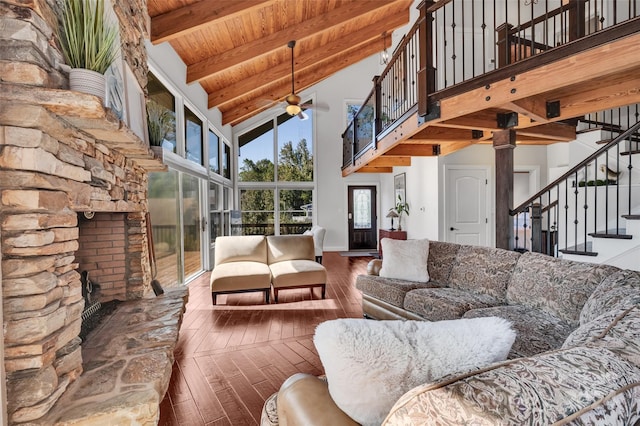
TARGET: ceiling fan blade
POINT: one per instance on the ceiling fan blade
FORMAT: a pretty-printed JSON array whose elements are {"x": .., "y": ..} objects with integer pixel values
[
  {"x": 303, "y": 116},
  {"x": 318, "y": 107}
]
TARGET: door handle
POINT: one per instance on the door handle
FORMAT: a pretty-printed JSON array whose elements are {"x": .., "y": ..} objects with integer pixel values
[
  {"x": 453, "y": 229},
  {"x": 350, "y": 216}
]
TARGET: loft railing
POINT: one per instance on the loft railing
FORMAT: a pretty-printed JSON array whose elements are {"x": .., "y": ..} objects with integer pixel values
[
  {"x": 460, "y": 41},
  {"x": 395, "y": 92},
  {"x": 587, "y": 201}
]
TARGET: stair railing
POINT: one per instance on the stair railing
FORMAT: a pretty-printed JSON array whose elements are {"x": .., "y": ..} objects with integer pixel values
[{"x": 587, "y": 201}]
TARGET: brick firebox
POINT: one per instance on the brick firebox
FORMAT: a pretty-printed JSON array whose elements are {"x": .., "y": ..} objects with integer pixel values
[
  {"x": 111, "y": 251},
  {"x": 62, "y": 154}
]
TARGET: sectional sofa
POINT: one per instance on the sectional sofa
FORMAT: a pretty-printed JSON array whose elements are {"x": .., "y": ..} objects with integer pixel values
[
  {"x": 256, "y": 263},
  {"x": 575, "y": 360}
]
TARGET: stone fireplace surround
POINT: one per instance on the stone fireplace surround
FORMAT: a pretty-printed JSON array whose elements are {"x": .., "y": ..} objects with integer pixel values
[{"x": 63, "y": 154}]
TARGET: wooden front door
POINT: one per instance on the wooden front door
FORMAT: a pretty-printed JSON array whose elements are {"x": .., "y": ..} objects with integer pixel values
[{"x": 363, "y": 229}]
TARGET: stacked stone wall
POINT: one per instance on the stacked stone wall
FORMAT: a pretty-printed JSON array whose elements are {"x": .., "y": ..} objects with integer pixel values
[{"x": 51, "y": 170}]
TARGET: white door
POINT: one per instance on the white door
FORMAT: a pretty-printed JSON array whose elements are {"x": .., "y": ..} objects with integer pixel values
[{"x": 466, "y": 204}]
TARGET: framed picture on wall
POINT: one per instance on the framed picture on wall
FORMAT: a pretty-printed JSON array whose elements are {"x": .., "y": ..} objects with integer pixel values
[{"x": 399, "y": 187}]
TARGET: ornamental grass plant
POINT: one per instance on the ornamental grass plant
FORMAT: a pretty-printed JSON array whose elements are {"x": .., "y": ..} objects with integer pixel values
[{"x": 86, "y": 39}]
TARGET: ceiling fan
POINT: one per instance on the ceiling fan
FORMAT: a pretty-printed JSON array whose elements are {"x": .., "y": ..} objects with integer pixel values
[{"x": 293, "y": 105}]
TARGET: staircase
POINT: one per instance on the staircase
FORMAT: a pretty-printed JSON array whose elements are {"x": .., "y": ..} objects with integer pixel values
[
  {"x": 592, "y": 212},
  {"x": 621, "y": 250}
]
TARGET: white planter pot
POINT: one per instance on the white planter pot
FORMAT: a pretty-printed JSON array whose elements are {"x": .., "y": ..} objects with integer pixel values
[{"x": 87, "y": 81}]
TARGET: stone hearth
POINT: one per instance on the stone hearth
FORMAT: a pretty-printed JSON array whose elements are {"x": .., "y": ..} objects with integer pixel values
[
  {"x": 128, "y": 367},
  {"x": 62, "y": 154}
]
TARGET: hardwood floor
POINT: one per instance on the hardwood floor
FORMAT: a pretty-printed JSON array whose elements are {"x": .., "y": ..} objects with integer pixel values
[{"x": 232, "y": 356}]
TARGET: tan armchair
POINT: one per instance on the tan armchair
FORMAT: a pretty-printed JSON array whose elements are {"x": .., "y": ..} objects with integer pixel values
[{"x": 317, "y": 232}]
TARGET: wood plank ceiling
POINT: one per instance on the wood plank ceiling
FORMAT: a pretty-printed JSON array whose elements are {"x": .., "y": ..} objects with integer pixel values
[{"x": 237, "y": 49}]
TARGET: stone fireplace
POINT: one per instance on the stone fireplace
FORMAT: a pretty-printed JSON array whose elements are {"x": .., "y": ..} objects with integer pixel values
[{"x": 73, "y": 198}]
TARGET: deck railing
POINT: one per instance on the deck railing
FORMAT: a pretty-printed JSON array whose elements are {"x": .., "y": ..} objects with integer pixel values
[
  {"x": 587, "y": 201},
  {"x": 460, "y": 41}
]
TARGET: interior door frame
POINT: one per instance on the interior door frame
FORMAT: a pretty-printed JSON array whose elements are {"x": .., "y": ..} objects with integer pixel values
[
  {"x": 490, "y": 205},
  {"x": 345, "y": 228}
]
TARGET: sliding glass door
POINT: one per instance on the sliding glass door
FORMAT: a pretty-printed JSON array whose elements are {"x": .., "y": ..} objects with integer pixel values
[{"x": 192, "y": 225}]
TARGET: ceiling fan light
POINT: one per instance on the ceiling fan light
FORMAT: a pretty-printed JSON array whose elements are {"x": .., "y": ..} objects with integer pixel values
[{"x": 293, "y": 109}]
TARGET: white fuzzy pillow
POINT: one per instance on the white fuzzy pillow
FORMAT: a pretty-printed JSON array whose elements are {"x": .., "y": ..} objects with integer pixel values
[
  {"x": 371, "y": 364},
  {"x": 405, "y": 259}
]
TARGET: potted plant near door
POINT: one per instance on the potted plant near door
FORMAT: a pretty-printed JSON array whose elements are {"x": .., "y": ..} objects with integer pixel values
[
  {"x": 88, "y": 43},
  {"x": 400, "y": 208}
]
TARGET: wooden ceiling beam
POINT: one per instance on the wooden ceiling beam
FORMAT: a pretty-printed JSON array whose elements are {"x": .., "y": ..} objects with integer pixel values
[
  {"x": 233, "y": 113},
  {"x": 384, "y": 161},
  {"x": 413, "y": 150},
  {"x": 437, "y": 133},
  {"x": 453, "y": 147},
  {"x": 306, "y": 60},
  {"x": 605, "y": 96},
  {"x": 369, "y": 169},
  {"x": 486, "y": 120},
  {"x": 188, "y": 19},
  {"x": 559, "y": 132},
  {"x": 248, "y": 51},
  {"x": 534, "y": 107}
]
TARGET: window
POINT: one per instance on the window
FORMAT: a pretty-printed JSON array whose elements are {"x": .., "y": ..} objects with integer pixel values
[
  {"x": 295, "y": 149},
  {"x": 226, "y": 161},
  {"x": 257, "y": 212},
  {"x": 161, "y": 98},
  {"x": 193, "y": 137},
  {"x": 296, "y": 213},
  {"x": 276, "y": 178},
  {"x": 214, "y": 152},
  {"x": 256, "y": 154}
]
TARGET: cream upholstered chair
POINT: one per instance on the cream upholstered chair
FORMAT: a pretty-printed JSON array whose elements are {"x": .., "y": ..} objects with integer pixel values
[{"x": 318, "y": 240}]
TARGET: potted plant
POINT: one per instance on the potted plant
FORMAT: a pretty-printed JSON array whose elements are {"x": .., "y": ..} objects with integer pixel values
[
  {"x": 88, "y": 43},
  {"x": 159, "y": 123},
  {"x": 400, "y": 208}
]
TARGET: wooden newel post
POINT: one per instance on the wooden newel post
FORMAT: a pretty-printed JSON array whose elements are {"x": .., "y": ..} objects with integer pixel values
[
  {"x": 377, "y": 125},
  {"x": 577, "y": 20},
  {"x": 536, "y": 228},
  {"x": 427, "y": 71},
  {"x": 504, "y": 142},
  {"x": 504, "y": 45}
]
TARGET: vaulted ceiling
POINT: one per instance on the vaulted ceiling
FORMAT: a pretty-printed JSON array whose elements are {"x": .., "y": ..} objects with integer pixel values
[{"x": 237, "y": 49}]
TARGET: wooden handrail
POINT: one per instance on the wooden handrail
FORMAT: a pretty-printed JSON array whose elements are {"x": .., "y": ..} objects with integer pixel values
[
  {"x": 542, "y": 18},
  {"x": 438, "y": 5},
  {"x": 576, "y": 168}
]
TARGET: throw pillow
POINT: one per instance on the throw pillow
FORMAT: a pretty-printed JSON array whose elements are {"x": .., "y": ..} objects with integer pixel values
[
  {"x": 370, "y": 364},
  {"x": 405, "y": 259}
]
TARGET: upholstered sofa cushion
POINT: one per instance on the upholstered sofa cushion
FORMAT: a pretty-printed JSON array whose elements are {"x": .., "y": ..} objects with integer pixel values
[
  {"x": 293, "y": 273},
  {"x": 621, "y": 288},
  {"x": 387, "y": 289},
  {"x": 289, "y": 247},
  {"x": 543, "y": 389},
  {"x": 240, "y": 276},
  {"x": 483, "y": 270},
  {"x": 617, "y": 330},
  {"x": 437, "y": 304},
  {"x": 560, "y": 287},
  {"x": 536, "y": 331},
  {"x": 441, "y": 259},
  {"x": 240, "y": 248}
]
